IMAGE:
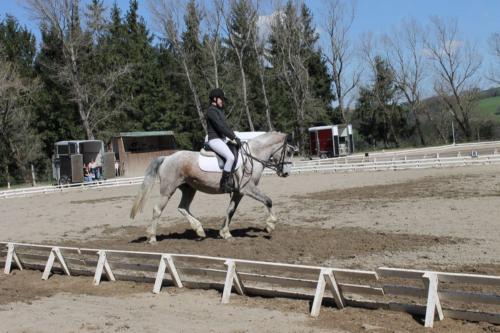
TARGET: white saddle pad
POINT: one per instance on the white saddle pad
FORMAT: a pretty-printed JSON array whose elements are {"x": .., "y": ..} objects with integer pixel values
[{"x": 211, "y": 164}]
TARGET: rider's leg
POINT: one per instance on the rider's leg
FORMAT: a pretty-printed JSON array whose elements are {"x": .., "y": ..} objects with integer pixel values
[{"x": 221, "y": 148}]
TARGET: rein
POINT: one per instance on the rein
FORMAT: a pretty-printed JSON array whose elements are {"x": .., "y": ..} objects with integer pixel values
[{"x": 276, "y": 166}]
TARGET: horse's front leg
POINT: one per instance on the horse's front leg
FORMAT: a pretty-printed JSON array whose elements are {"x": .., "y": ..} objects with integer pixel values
[
  {"x": 255, "y": 193},
  {"x": 231, "y": 209}
]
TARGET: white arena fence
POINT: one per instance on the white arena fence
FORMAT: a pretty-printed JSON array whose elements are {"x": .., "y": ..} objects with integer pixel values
[
  {"x": 28, "y": 191},
  {"x": 326, "y": 165},
  {"x": 458, "y": 150},
  {"x": 430, "y": 294},
  {"x": 339, "y": 165}
]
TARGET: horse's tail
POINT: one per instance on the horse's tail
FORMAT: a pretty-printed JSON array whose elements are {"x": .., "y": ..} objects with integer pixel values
[{"x": 147, "y": 185}]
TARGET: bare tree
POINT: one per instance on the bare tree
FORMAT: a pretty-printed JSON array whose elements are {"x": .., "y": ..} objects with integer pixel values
[
  {"x": 168, "y": 14},
  {"x": 259, "y": 47},
  {"x": 456, "y": 65},
  {"x": 338, "y": 25},
  {"x": 17, "y": 138},
  {"x": 89, "y": 89},
  {"x": 405, "y": 53},
  {"x": 494, "y": 41},
  {"x": 241, "y": 41},
  {"x": 212, "y": 40},
  {"x": 291, "y": 62}
]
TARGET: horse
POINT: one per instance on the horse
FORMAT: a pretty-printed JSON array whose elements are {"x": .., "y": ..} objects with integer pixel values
[{"x": 181, "y": 171}]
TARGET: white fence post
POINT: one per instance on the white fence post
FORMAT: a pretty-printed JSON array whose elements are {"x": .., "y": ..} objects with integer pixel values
[
  {"x": 11, "y": 255},
  {"x": 166, "y": 262},
  {"x": 55, "y": 253},
  {"x": 231, "y": 277},
  {"x": 326, "y": 278},
  {"x": 433, "y": 302},
  {"x": 103, "y": 265}
]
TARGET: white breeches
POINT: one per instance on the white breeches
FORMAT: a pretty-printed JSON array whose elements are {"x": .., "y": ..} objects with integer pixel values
[{"x": 221, "y": 148}]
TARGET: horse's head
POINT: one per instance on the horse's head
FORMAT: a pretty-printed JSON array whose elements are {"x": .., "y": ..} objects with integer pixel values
[
  {"x": 281, "y": 158},
  {"x": 273, "y": 151}
]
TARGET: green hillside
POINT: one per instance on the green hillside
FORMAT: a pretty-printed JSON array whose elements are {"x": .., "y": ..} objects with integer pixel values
[{"x": 489, "y": 108}]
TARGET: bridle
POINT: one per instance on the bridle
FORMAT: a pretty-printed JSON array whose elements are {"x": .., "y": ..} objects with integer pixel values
[{"x": 277, "y": 166}]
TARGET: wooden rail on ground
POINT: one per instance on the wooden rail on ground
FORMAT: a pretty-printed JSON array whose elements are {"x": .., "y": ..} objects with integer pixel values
[{"x": 348, "y": 287}]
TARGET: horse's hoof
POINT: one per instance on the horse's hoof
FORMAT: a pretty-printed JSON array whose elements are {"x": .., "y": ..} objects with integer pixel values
[
  {"x": 152, "y": 240},
  {"x": 201, "y": 233},
  {"x": 225, "y": 234},
  {"x": 270, "y": 227}
]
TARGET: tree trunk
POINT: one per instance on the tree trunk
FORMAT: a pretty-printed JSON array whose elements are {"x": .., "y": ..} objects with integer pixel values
[
  {"x": 7, "y": 176},
  {"x": 195, "y": 96},
  {"x": 216, "y": 69},
  {"x": 245, "y": 101},
  {"x": 419, "y": 128},
  {"x": 85, "y": 121},
  {"x": 266, "y": 102},
  {"x": 77, "y": 92},
  {"x": 263, "y": 87},
  {"x": 341, "y": 109}
]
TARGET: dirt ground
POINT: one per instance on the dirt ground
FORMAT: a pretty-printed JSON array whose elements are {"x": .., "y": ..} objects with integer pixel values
[{"x": 443, "y": 219}]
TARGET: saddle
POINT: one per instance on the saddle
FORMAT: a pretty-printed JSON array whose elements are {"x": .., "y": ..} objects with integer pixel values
[{"x": 210, "y": 161}]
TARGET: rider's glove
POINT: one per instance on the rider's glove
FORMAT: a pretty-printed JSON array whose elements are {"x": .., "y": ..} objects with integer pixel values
[{"x": 238, "y": 141}]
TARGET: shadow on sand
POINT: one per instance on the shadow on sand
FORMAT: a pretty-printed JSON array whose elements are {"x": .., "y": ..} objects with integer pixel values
[{"x": 189, "y": 234}]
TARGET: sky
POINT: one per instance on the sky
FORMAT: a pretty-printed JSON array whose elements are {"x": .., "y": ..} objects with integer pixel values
[{"x": 477, "y": 19}]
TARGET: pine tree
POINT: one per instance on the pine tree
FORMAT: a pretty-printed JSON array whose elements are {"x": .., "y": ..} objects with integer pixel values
[
  {"x": 19, "y": 142},
  {"x": 300, "y": 70},
  {"x": 379, "y": 116}
]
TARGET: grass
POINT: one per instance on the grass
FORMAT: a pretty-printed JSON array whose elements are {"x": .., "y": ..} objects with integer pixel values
[{"x": 489, "y": 108}]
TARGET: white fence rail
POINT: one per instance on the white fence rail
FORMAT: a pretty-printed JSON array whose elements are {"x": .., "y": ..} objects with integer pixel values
[
  {"x": 27, "y": 191},
  {"x": 327, "y": 165},
  {"x": 340, "y": 165},
  {"x": 348, "y": 287}
]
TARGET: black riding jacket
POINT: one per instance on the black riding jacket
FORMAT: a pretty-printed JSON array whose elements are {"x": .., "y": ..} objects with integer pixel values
[{"x": 217, "y": 126}]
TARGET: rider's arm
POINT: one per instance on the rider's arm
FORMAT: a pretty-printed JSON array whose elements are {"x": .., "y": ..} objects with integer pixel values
[{"x": 218, "y": 121}]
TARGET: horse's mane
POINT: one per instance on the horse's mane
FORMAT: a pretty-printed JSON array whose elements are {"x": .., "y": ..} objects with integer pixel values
[{"x": 260, "y": 139}]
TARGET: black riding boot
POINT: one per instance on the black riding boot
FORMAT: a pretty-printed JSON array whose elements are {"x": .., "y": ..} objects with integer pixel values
[{"x": 226, "y": 184}]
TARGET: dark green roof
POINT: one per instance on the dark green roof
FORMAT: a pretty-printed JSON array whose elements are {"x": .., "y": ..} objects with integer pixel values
[{"x": 148, "y": 133}]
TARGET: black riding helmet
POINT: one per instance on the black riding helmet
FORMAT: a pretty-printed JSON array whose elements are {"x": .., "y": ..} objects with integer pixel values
[{"x": 217, "y": 92}]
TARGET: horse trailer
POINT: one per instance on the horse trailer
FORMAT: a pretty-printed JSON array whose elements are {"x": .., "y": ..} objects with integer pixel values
[
  {"x": 331, "y": 141},
  {"x": 71, "y": 156}
]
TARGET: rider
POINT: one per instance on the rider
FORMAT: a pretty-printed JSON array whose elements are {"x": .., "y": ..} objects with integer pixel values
[{"x": 218, "y": 129}]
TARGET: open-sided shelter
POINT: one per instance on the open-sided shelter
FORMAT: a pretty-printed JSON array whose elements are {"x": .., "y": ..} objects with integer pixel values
[{"x": 135, "y": 150}]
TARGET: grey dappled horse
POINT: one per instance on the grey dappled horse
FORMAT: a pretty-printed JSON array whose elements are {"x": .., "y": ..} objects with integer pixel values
[{"x": 181, "y": 171}]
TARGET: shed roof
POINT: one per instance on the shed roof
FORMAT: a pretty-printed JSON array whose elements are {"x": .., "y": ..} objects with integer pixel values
[
  {"x": 60, "y": 143},
  {"x": 146, "y": 133}
]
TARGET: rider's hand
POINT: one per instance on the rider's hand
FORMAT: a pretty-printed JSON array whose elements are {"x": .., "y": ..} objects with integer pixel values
[{"x": 238, "y": 141}]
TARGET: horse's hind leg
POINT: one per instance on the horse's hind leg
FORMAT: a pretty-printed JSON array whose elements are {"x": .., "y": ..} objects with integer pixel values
[
  {"x": 157, "y": 210},
  {"x": 235, "y": 200},
  {"x": 187, "y": 197}
]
